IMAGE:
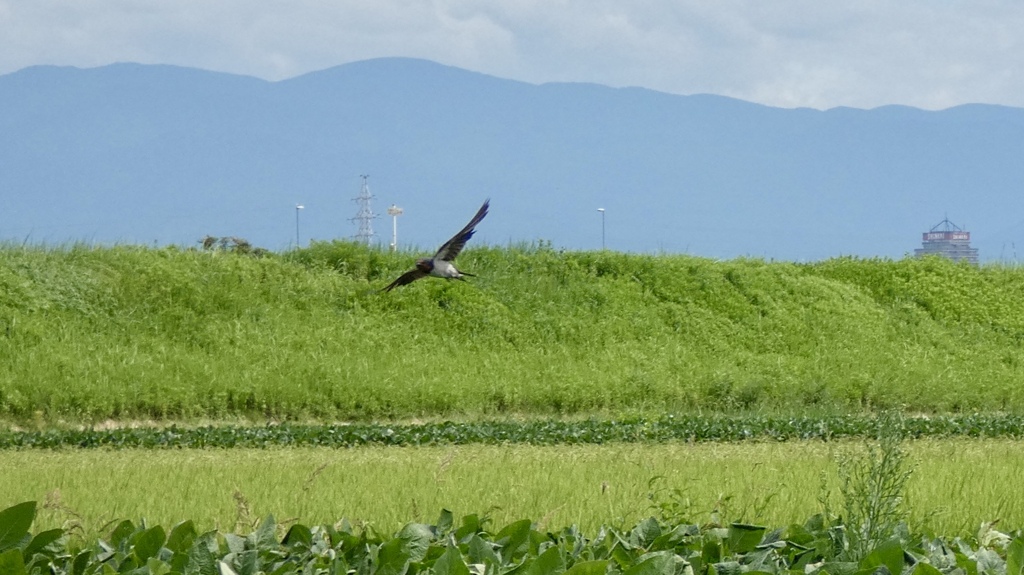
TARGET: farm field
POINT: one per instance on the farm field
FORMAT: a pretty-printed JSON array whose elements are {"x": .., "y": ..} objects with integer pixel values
[
  {"x": 565, "y": 388},
  {"x": 119, "y": 334},
  {"x": 956, "y": 484}
]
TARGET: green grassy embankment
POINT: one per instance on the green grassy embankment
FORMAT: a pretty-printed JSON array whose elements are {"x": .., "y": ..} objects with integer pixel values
[{"x": 135, "y": 333}]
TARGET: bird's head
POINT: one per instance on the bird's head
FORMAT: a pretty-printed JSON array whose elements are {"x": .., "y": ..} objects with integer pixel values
[{"x": 425, "y": 264}]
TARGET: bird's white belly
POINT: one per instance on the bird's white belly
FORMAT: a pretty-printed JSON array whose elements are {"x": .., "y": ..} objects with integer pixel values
[{"x": 444, "y": 269}]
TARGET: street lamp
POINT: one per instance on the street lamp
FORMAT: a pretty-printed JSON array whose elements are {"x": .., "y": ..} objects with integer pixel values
[
  {"x": 394, "y": 211},
  {"x": 297, "y": 208},
  {"x": 602, "y": 226}
]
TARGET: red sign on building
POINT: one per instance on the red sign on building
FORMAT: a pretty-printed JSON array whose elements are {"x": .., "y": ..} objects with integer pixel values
[{"x": 947, "y": 236}]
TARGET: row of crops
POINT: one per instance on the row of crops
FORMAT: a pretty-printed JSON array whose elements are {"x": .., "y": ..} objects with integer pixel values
[
  {"x": 538, "y": 432},
  {"x": 473, "y": 546}
]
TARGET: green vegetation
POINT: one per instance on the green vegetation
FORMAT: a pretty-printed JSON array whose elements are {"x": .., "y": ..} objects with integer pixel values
[
  {"x": 447, "y": 547},
  {"x": 590, "y": 389},
  {"x": 535, "y": 432},
  {"x": 874, "y": 489},
  {"x": 957, "y": 484},
  {"x": 126, "y": 333}
]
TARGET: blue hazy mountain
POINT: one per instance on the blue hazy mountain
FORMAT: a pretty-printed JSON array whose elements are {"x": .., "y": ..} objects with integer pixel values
[{"x": 144, "y": 154}]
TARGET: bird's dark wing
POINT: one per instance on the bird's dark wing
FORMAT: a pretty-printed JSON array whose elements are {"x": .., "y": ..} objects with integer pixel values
[
  {"x": 406, "y": 278},
  {"x": 452, "y": 247}
]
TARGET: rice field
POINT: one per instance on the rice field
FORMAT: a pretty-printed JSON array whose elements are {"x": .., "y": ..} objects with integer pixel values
[
  {"x": 112, "y": 337},
  {"x": 956, "y": 485}
]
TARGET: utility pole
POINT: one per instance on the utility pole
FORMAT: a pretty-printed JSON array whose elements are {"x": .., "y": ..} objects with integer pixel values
[{"x": 394, "y": 211}]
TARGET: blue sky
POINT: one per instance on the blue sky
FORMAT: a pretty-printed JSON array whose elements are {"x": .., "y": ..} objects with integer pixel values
[{"x": 789, "y": 53}]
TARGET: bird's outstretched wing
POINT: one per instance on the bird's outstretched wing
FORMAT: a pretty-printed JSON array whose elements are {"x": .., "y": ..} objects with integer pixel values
[
  {"x": 407, "y": 278},
  {"x": 452, "y": 247}
]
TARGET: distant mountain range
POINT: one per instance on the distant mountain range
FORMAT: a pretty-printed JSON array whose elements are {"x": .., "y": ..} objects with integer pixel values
[{"x": 162, "y": 154}]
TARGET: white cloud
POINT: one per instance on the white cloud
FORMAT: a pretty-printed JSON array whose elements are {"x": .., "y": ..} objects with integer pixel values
[{"x": 786, "y": 53}]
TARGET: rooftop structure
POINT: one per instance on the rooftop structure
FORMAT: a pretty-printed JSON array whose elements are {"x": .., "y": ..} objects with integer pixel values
[{"x": 948, "y": 240}]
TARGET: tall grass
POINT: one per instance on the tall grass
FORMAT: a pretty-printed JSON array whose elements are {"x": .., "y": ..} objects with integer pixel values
[
  {"x": 126, "y": 333},
  {"x": 957, "y": 484}
]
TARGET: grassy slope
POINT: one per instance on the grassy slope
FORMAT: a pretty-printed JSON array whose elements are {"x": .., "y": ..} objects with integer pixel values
[{"x": 129, "y": 332}]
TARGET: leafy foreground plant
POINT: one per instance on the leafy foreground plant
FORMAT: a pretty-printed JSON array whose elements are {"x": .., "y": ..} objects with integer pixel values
[
  {"x": 873, "y": 488},
  {"x": 650, "y": 547}
]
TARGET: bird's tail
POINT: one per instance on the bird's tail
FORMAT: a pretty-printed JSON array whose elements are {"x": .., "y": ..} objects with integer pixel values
[{"x": 462, "y": 273}]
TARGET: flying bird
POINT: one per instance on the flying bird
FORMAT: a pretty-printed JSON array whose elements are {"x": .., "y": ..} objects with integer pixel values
[{"x": 441, "y": 264}]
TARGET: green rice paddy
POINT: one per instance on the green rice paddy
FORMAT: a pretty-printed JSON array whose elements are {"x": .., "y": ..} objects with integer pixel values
[
  {"x": 122, "y": 335},
  {"x": 956, "y": 484}
]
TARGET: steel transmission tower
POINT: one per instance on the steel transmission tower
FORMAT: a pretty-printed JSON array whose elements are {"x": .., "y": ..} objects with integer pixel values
[{"x": 365, "y": 216}]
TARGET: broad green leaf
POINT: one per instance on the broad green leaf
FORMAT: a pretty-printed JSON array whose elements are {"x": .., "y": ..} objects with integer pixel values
[
  {"x": 480, "y": 551},
  {"x": 290, "y": 567},
  {"x": 1015, "y": 557},
  {"x": 589, "y": 568},
  {"x": 969, "y": 566},
  {"x": 815, "y": 524},
  {"x": 624, "y": 557},
  {"x": 392, "y": 558},
  {"x": 181, "y": 537},
  {"x": 678, "y": 535},
  {"x": 877, "y": 570},
  {"x": 125, "y": 562},
  {"x": 80, "y": 562},
  {"x": 513, "y": 538},
  {"x": 266, "y": 533},
  {"x": 445, "y": 522},
  {"x": 121, "y": 533},
  {"x": 416, "y": 538},
  {"x": 298, "y": 534},
  {"x": 923, "y": 568},
  {"x": 803, "y": 556},
  {"x": 548, "y": 562},
  {"x": 988, "y": 561},
  {"x": 11, "y": 562},
  {"x": 470, "y": 524},
  {"x": 758, "y": 559},
  {"x": 889, "y": 554},
  {"x": 157, "y": 567},
  {"x": 225, "y": 569},
  {"x": 235, "y": 543},
  {"x": 727, "y": 568},
  {"x": 660, "y": 563},
  {"x": 451, "y": 563},
  {"x": 645, "y": 532},
  {"x": 14, "y": 524},
  {"x": 711, "y": 552},
  {"x": 696, "y": 563},
  {"x": 799, "y": 534},
  {"x": 744, "y": 538},
  {"x": 838, "y": 568},
  {"x": 344, "y": 527},
  {"x": 201, "y": 558},
  {"x": 246, "y": 562},
  {"x": 148, "y": 543},
  {"x": 42, "y": 540}
]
